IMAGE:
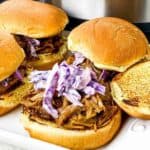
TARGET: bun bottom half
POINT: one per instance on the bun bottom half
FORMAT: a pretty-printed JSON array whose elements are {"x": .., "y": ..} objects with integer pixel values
[
  {"x": 4, "y": 110},
  {"x": 73, "y": 139},
  {"x": 11, "y": 99}
]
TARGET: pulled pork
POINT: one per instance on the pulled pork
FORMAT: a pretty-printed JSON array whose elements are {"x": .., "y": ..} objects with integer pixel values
[
  {"x": 44, "y": 45},
  {"x": 96, "y": 112},
  {"x": 12, "y": 81}
]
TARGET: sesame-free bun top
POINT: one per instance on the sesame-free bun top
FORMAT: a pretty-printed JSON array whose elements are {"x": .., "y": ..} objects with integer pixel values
[
  {"x": 31, "y": 18},
  {"x": 131, "y": 90},
  {"x": 11, "y": 55},
  {"x": 110, "y": 43}
]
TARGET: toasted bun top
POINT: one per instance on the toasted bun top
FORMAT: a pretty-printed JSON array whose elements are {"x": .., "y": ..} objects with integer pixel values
[
  {"x": 31, "y": 18},
  {"x": 111, "y": 43},
  {"x": 11, "y": 55},
  {"x": 131, "y": 90}
]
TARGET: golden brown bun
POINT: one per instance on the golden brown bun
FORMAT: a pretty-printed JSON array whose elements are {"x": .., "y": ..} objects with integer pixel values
[
  {"x": 31, "y": 18},
  {"x": 88, "y": 139},
  {"x": 133, "y": 86},
  {"x": 111, "y": 43},
  {"x": 47, "y": 61},
  {"x": 11, "y": 55},
  {"x": 148, "y": 54},
  {"x": 12, "y": 99}
]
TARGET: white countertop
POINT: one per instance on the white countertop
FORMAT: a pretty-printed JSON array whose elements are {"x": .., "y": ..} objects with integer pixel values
[{"x": 4, "y": 146}]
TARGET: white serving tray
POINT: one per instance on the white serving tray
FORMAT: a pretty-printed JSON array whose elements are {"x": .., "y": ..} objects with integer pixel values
[{"x": 134, "y": 134}]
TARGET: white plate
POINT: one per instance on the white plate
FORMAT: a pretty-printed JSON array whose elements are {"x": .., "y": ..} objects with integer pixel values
[{"x": 134, "y": 134}]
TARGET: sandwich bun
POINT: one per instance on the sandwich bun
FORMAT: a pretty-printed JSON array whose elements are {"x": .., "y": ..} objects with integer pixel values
[
  {"x": 87, "y": 139},
  {"x": 47, "y": 61},
  {"x": 131, "y": 90},
  {"x": 31, "y": 18},
  {"x": 11, "y": 55},
  {"x": 11, "y": 99},
  {"x": 110, "y": 43}
]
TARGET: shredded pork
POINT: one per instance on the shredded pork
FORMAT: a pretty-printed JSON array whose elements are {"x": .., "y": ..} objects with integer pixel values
[
  {"x": 12, "y": 81},
  {"x": 45, "y": 45}
]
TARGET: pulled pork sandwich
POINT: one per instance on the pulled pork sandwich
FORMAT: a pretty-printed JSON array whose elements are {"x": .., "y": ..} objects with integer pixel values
[
  {"x": 12, "y": 72},
  {"x": 71, "y": 104},
  {"x": 37, "y": 28}
]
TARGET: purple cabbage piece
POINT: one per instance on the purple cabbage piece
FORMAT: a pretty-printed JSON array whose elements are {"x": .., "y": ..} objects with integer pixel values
[
  {"x": 103, "y": 74},
  {"x": 18, "y": 75},
  {"x": 107, "y": 75},
  {"x": 64, "y": 74},
  {"x": 36, "y": 76},
  {"x": 32, "y": 43},
  {"x": 79, "y": 58},
  {"x": 50, "y": 91},
  {"x": 98, "y": 87},
  {"x": 39, "y": 79},
  {"x": 33, "y": 51},
  {"x": 4, "y": 82},
  {"x": 82, "y": 78},
  {"x": 73, "y": 96},
  {"x": 89, "y": 90}
]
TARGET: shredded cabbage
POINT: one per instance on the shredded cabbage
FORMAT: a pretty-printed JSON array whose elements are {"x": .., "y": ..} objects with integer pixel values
[
  {"x": 32, "y": 43},
  {"x": 66, "y": 80},
  {"x": 50, "y": 91},
  {"x": 39, "y": 79}
]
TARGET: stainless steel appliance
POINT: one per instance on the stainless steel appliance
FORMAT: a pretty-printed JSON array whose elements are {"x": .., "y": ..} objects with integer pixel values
[{"x": 137, "y": 11}]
